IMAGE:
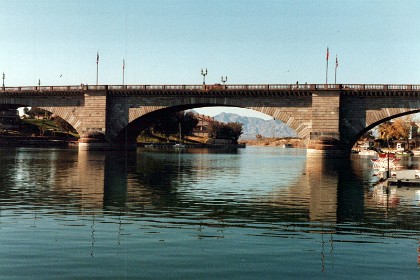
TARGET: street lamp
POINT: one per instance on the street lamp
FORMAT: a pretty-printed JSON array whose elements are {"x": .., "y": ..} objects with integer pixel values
[
  {"x": 4, "y": 76},
  {"x": 224, "y": 79},
  {"x": 204, "y": 73}
]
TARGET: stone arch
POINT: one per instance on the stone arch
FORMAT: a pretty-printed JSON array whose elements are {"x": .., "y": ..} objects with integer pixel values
[
  {"x": 294, "y": 113},
  {"x": 374, "y": 118},
  {"x": 72, "y": 115},
  {"x": 360, "y": 113},
  {"x": 70, "y": 108}
]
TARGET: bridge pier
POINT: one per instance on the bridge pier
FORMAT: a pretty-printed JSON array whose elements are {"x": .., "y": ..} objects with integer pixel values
[
  {"x": 325, "y": 139},
  {"x": 326, "y": 147},
  {"x": 97, "y": 119},
  {"x": 94, "y": 121}
]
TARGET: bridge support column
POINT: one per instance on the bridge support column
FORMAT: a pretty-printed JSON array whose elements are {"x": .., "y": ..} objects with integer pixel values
[
  {"x": 94, "y": 121},
  {"x": 325, "y": 135}
]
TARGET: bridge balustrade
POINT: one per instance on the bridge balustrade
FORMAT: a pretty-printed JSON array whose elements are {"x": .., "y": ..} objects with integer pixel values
[
  {"x": 274, "y": 87},
  {"x": 257, "y": 86},
  {"x": 182, "y": 87},
  {"x": 374, "y": 87},
  {"x": 361, "y": 87},
  {"x": 137, "y": 87},
  {"x": 235, "y": 87},
  {"x": 357, "y": 86},
  {"x": 400, "y": 87}
]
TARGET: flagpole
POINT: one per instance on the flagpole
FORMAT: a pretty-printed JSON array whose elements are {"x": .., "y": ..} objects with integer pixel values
[
  {"x": 336, "y": 65},
  {"x": 326, "y": 74},
  {"x": 326, "y": 71},
  {"x": 123, "y": 70},
  {"x": 97, "y": 66}
]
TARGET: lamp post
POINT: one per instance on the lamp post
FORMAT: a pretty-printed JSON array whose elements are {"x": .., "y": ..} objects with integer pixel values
[
  {"x": 4, "y": 76},
  {"x": 224, "y": 79},
  {"x": 204, "y": 73}
]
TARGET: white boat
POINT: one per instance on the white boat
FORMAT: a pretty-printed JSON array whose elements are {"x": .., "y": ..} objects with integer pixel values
[
  {"x": 180, "y": 146},
  {"x": 151, "y": 145},
  {"x": 367, "y": 150},
  {"x": 385, "y": 162},
  {"x": 405, "y": 177}
]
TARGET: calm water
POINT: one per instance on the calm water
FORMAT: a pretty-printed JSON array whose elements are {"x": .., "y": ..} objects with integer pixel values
[{"x": 254, "y": 213}]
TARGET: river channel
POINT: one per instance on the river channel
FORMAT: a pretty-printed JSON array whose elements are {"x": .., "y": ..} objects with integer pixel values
[{"x": 253, "y": 213}]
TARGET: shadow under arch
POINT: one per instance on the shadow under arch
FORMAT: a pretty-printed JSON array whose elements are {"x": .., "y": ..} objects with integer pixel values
[{"x": 130, "y": 132}]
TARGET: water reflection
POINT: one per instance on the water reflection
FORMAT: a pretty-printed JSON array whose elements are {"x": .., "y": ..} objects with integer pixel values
[
  {"x": 205, "y": 184},
  {"x": 269, "y": 205}
]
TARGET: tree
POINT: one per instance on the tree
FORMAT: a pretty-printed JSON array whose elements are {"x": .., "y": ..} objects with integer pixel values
[
  {"x": 231, "y": 131},
  {"x": 235, "y": 130},
  {"x": 259, "y": 137},
  {"x": 28, "y": 113},
  {"x": 168, "y": 124},
  {"x": 35, "y": 112},
  {"x": 188, "y": 121},
  {"x": 402, "y": 127},
  {"x": 399, "y": 129}
]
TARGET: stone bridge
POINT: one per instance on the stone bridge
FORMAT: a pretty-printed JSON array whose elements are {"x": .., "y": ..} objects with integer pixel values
[{"x": 326, "y": 116}]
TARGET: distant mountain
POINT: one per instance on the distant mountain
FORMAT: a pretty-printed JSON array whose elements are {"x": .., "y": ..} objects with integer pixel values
[{"x": 253, "y": 126}]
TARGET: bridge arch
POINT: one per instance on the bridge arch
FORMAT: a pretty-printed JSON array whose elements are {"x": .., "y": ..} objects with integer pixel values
[
  {"x": 297, "y": 118},
  {"x": 70, "y": 115},
  {"x": 68, "y": 105},
  {"x": 378, "y": 118}
]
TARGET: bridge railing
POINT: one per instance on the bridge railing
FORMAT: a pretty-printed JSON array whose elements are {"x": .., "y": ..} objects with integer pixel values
[{"x": 231, "y": 87}]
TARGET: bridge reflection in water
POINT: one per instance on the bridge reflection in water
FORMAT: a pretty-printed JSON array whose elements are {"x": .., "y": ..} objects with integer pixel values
[
  {"x": 317, "y": 211},
  {"x": 321, "y": 190},
  {"x": 296, "y": 189}
]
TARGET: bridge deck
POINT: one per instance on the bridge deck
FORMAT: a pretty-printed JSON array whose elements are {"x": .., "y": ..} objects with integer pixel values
[{"x": 263, "y": 89}]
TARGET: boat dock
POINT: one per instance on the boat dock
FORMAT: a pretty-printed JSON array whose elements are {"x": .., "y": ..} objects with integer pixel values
[{"x": 405, "y": 177}]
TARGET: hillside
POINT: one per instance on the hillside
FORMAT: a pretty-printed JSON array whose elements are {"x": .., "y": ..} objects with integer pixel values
[{"x": 253, "y": 126}]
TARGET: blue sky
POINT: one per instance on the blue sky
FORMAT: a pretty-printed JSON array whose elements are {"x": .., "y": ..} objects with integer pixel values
[{"x": 170, "y": 41}]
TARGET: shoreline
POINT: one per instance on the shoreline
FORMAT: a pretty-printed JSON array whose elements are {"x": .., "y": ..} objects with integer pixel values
[
  {"x": 275, "y": 142},
  {"x": 32, "y": 141}
]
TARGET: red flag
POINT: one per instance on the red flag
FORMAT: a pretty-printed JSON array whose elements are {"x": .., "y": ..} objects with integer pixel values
[
  {"x": 328, "y": 53},
  {"x": 336, "y": 62}
]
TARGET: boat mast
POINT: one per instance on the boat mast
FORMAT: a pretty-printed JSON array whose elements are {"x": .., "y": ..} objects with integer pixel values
[{"x": 180, "y": 136}]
